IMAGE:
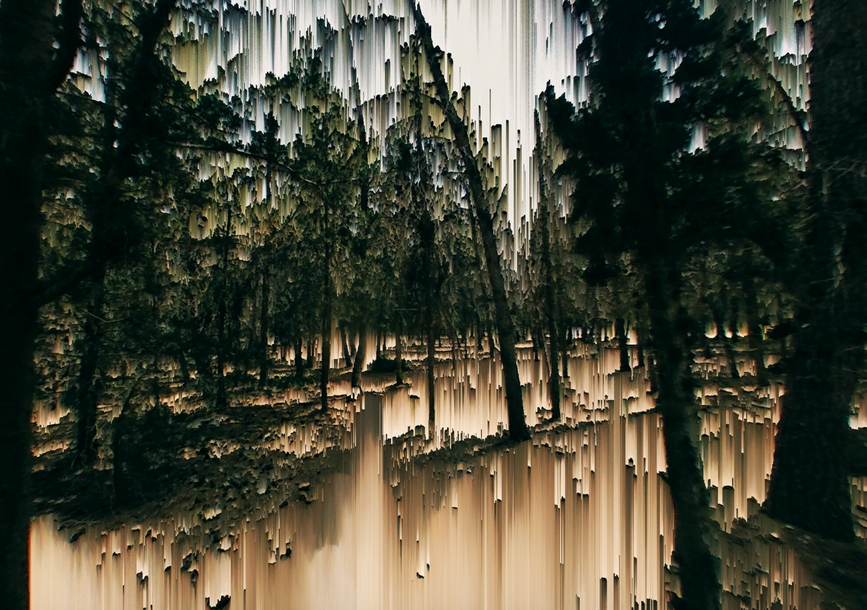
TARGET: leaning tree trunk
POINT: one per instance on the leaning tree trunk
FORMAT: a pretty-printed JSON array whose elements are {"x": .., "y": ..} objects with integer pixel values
[
  {"x": 505, "y": 326},
  {"x": 696, "y": 565},
  {"x": 809, "y": 484}
]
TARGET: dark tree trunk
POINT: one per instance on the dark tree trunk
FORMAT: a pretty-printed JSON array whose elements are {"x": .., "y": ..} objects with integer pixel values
[
  {"x": 360, "y": 355},
  {"x": 25, "y": 60},
  {"x": 221, "y": 400},
  {"x": 311, "y": 351},
  {"x": 809, "y": 484},
  {"x": 299, "y": 357},
  {"x": 347, "y": 354},
  {"x": 263, "y": 331},
  {"x": 505, "y": 326},
  {"x": 696, "y": 565},
  {"x": 326, "y": 312},
  {"x": 326, "y": 343},
  {"x": 326, "y": 363},
  {"x": 431, "y": 377},
  {"x": 622, "y": 344},
  {"x": 398, "y": 353},
  {"x": 545, "y": 217},
  {"x": 87, "y": 397}
]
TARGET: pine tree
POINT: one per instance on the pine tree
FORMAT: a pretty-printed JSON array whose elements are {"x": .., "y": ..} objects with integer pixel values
[
  {"x": 648, "y": 202},
  {"x": 809, "y": 484}
]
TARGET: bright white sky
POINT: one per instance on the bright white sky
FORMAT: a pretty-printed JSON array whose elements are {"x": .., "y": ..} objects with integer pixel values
[{"x": 506, "y": 50}]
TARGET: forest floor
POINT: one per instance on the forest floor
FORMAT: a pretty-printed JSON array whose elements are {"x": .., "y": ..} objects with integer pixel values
[{"x": 234, "y": 464}]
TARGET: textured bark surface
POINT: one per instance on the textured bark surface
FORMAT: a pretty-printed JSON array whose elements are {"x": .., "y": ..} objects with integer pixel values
[
  {"x": 696, "y": 565},
  {"x": 809, "y": 484},
  {"x": 505, "y": 326},
  {"x": 25, "y": 89}
]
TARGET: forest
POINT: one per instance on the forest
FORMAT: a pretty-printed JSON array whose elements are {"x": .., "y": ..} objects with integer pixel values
[{"x": 269, "y": 292}]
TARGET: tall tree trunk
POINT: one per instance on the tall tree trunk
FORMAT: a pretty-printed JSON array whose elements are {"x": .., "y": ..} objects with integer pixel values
[
  {"x": 311, "y": 351},
  {"x": 622, "y": 344},
  {"x": 809, "y": 484},
  {"x": 25, "y": 60},
  {"x": 263, "y": 330},
  {"x": 87, "y": 398},
  {"x": 347, "y": 354},
  {"x": 544, "y": 215},
  {"x": 360, "y": 355},
  {"x": 221, "y": 401},
  {"x": 431, "y": 377},
  {"x": 505, "y": 326},
  {"x": 326, "y": 315},
  {"x": 326, "y": 344},
  {"x": 697, "y": 567},
  {"x": 299, "y": 357},
  {"x": 398, "y": 353}
]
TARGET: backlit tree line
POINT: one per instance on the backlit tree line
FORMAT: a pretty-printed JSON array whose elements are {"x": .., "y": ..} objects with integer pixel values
[{"x": 160, "y": 240}]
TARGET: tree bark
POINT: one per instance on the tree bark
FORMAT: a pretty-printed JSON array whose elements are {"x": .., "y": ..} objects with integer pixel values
[
  {"x": 398, "y": 353},
  {"x": 622, "y": 344},
  {"x": 505, "y": 326},
  {"x": 544, "y": 216},
  {"x": 25, "y": 60},
  {"x": 87, "y": 398},
  {"x": 431, "y": 377},
  {"x": 360, "y": 355},
  {"x": 347, "y": 354},
  {"x": 263, "y": 330},
  {"x": 299, "y": 357},
  {"x": 696, "y": 565},
  {"x": 809, "y": 484}
]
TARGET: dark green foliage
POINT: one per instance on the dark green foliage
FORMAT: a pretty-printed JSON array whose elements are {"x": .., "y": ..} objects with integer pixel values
[{"x": 650, "y": 204}]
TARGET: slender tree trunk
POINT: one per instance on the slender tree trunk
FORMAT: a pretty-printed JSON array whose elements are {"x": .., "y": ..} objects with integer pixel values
[
  {"x": 326, "y": 362},
  {"x": 299, "y": 357},
  {"x": 263, "y": 330},
  {"x": 505, "y": 326},
  {"x": 622, "y": 344},
  {"x": 347, "y": 355},
  {"x": 809, "y": 484},
  {"x": 311, "y": 351},
  {"x": 326, "y": 343},
  {"x": 398, "y": 353},
  {"x": 696, "y": 565},
  {"x": 87, "y": 397},
  {"x": 221, "y": 401},
  {"x": 360, "y": 355},
  {"x": 431, "y": 377},
  {"x": 545, "y": 214}
]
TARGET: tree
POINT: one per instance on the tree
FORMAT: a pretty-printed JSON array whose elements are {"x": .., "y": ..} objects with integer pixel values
[
  {"x": 32, "y": 71},
  {"x": 646, "y": 203},
  {"x": 505, "y": 325},
  {"x": 809, "y": 484}
]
